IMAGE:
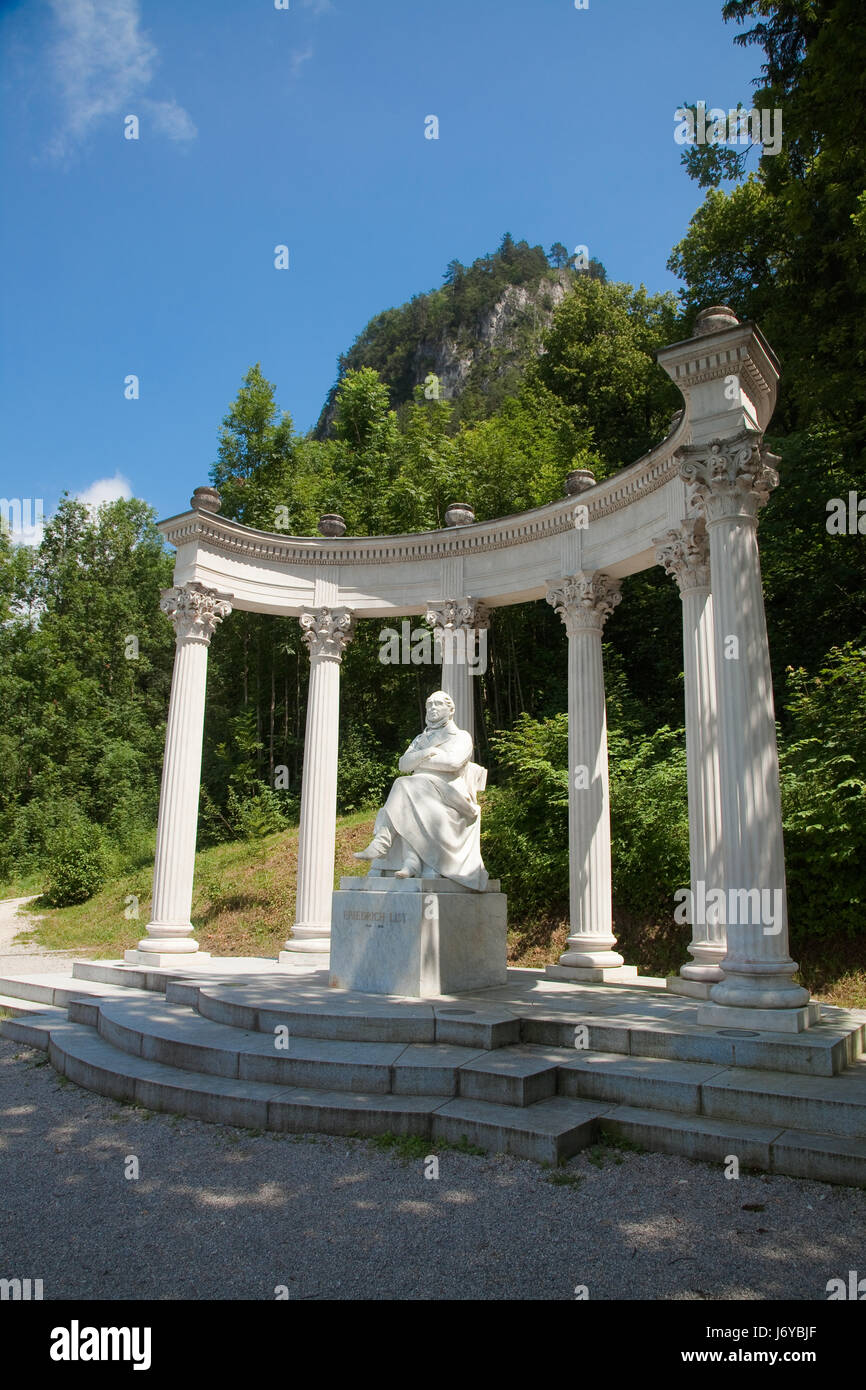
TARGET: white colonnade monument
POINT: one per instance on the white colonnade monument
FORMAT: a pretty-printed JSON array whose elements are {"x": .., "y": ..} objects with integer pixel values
[{"x": 691, "y": 505}]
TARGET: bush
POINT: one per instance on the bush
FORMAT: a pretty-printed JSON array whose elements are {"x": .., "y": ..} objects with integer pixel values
[
  {"x": 264, "y": 813},
  {"x": 525, "y": 822},
  {"x": 78, "y": 867},
  {"x": 364, "y": 777},
  {"x": 823, "y": 760}
]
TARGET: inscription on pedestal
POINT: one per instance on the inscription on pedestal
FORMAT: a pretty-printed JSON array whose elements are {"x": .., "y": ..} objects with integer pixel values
[{"x": 394, "y": 939}]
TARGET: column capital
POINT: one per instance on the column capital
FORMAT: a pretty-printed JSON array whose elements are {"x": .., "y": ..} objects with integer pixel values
[
  {"x": 729, "y": 478},
  {"x": 466, "y": 613},
  {"x": 684, "y": 552},
  {"x": 584, "y": 601},
  {"x": 195, "y": 611},
  {"x": 327, "y": 631}
]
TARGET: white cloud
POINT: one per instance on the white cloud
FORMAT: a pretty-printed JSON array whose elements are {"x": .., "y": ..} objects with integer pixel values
[
  {"x": 170, "y": 119},
  {"x": 298, "y": 58},
  {"x": 103, "y": 64},
  {"x": 105, "y": 490}
]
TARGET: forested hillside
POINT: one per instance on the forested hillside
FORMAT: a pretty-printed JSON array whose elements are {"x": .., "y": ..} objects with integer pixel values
[
  {"x": 557, "y": 372},
  {"x": 475, "y": 334}
]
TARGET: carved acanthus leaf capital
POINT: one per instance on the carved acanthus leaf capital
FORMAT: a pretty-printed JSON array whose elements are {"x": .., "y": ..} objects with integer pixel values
[
  {"x": 195, "y": 611},
  {"x": 327, "y": 631},
  {"x": 728, "y": 477},
  {"x": 584, "y": 601},
  {"x": 685, "y": 553},
  {"x": 452, "y": 614}
]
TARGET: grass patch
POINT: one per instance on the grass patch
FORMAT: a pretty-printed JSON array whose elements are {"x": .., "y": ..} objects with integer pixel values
[
  {"x": 416, "y": 1146},
  {"x": 23, "y": 886},
  {"x": 617, "y": 1141},
  {"x": 243, "y": 901},
  {"x": 561, "y": 1177}
]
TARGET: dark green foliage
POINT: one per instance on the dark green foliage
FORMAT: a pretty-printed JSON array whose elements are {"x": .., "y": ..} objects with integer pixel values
[
  {"x": 82, "y": 707},
  {"x": 787, "y": 247},
  {"x": 525, "y": 826},
  {"x": 823, "y": 762},
  {"x": 77, "y": 867}
]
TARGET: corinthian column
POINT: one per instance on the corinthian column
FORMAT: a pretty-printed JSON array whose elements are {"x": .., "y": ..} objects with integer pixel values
[
  {"x": 327, "y": 632},
  {"x": 195, "y": 612},
  {"x": 584, "y": 602},
  {"x": 685, "y": 554},
  {"x": 730, "y": 480},
  {"x": 460, "y": 633}
]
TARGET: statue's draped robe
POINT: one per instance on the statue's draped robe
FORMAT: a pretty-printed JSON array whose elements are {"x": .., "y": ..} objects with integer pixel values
[{"x": 434, "y": 812}]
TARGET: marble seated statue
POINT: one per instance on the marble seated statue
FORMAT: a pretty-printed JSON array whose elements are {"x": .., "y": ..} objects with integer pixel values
[{"x": 430, "y": 825}]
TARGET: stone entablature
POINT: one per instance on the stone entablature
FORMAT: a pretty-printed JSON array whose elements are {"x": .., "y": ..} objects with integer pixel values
[{"x": 641, "y": 478}]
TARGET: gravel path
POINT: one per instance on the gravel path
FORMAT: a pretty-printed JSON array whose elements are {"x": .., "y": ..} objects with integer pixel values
[
  {"x": 27, "y": 958},
  {"x": 222, "y": 1213}
]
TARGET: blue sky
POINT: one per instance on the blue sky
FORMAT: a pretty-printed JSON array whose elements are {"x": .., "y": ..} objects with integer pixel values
[{"x": 303, "y": 127}]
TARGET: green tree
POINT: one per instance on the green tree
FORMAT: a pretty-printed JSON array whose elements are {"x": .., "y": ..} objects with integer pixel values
[
  {"x": 600, "y": 362},
  {"x": 787, "y": 247}
]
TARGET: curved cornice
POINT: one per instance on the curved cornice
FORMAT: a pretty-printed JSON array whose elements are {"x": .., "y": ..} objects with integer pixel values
[{"x": 613, "y": 494}]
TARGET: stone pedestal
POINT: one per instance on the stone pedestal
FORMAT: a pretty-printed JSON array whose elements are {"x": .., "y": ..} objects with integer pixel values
[
  {"x": 417, "y": 937},
  {"x": 764, "y": 1020}
]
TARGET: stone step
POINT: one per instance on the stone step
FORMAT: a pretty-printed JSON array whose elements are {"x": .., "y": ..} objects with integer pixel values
[
  {"x": 21, "y": 1008},
  {"x": 644, "y": 1022},
  {"x": 651, "y": 1083},
  {"x": 822, "y": 1105},
  {"x": 548, "y": 1131},
  {"x": 813, "y": 1104},
  {"x": 511, "y": 1076},
  {"x": 33, "y": 1028},
  {"x": 328, "y": 1013},
  {"x": 57, "y": 989},
  {"x": 170, "y": 1033},
  {"x": 795, "y": 1153},
  {"x": 155, "y": 978},
  {"x": 825, "y": 1049}
]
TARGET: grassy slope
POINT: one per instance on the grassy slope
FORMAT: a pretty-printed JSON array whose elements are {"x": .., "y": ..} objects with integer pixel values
[{"x": 244, "y": 902}]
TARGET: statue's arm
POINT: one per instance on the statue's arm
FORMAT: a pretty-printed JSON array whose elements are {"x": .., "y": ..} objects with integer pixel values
[
  {"x": 412, "y": 757},
  {"x": 451, "y": 756}
]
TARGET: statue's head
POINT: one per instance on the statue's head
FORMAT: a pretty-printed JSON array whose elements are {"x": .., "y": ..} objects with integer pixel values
[{"x": 440, "y": 708}]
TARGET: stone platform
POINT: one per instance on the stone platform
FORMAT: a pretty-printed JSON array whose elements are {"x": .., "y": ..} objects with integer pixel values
[
  {"x": 417, "y": 937},
  {"x": 535, "y": 1067}
]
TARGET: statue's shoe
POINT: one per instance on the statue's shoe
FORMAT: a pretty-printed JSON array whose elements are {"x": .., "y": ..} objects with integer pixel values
[
  {"x": 410, "y": 868},
  {"x": 375, "y": 850}
]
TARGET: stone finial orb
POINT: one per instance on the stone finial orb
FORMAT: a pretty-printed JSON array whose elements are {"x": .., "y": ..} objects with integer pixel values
[
  {"x": 714, "y": 319},
  {"x": 459, "y": 514},
  {"x": 332, "y": 524},
  {"x": 206, "y": 499},
  {"x": 578, "y": 480}
]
